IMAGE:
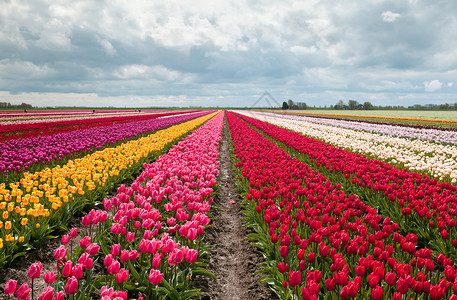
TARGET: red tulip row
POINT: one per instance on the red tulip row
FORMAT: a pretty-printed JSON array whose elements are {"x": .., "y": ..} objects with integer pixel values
[
  {"x": 146, "y": 243},
  {"x": 322, "y": 243},
  {"x": 27, "y": 130},
  {"x": 419, "y": 204}
]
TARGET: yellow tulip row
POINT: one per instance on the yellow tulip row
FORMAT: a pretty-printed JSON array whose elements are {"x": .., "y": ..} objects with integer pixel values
[{"x": 36, "y": 197}]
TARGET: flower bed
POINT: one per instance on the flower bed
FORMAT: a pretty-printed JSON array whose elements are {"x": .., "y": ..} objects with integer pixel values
[
  {"x": 42, "y": 202},
  {"x": 33, "y": 154},
  {"x": 147, "y": 241},
  {"x": 321, "y": 243}
]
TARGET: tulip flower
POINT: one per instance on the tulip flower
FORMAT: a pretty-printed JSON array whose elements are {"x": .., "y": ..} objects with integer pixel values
[
  {"x": 49, "y": 277},
  {"x": 10, "y": 287},
  {"x": 115, "y": 249},
  {"x": 191, "y": 256},
  {"x": 47, "y": 294},
  {"x": 114, "y": 267},
  {"x": 155, "y": 277},
  {"x": 23, "y": 291},
  {"x": 67, "y": 269},
  {"x": 35, "y": 270},
  {"x": 294, "y": 278},
  {"x": 71, "y": 287},
  {"x": 377, "y": 293},
  {"x": 60, "y": 253}
]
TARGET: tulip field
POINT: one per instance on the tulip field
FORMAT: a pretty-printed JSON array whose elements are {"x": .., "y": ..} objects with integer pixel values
[{"x": 337, "y": 208}]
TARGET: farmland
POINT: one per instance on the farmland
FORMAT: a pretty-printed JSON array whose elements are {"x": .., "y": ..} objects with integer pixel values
[{"x": 236, "y": 204}]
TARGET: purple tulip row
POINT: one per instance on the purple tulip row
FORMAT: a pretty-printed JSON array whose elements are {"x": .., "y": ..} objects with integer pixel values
[
  {"x": 20, "y": 155},
  {"x": 425, "y": 133}
]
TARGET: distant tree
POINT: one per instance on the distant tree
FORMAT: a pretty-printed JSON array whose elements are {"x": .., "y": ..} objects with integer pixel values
[
  {"x": 291, "y": 104},
  {"x": 367, "y": 105},
  {"x": 284, "y": 105},
  {"x": 352, "y": 104},
  {"x": 302, "y": 105},
  {"x": 339, "y": 104}
]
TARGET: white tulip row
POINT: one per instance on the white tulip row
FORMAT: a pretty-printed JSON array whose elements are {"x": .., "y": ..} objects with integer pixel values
[{"x": 438, "y": 160}]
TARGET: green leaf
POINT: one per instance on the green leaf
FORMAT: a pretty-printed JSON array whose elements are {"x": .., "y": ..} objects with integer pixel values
[
  {"x": 203, "y": 272},
  {"x": 134, "y": 272},
  {"x": 190, "y": 294}
]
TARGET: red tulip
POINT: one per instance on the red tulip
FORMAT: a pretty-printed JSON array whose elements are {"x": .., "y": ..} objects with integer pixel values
[
  {"x": 377, "y": 293},
  {"x": 283, "y": 251},
  {"x": 92, "y": 249},
  {"x": 156, "y": 260},
  {"x": 402, "y": 286},
  {"x": 390, "y": 278},
  {"x": 71, "y": 287},
  {"x": 84, "y": 242},
  {"x": 108, "y": 260},
  {"x": 311, "y": 257},
  {"x": 329, "y": 284},
  {"x": 294, "y": 278},
  {"x": 65, "y": 239},
  {"x": 133, "y": 255}
]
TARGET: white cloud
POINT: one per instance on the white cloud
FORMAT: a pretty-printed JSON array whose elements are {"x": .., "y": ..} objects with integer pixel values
[
  {"x": 450, "y": 84},
  {"x": 433, "y": 85},
  {"x": 388, "y": 16}
]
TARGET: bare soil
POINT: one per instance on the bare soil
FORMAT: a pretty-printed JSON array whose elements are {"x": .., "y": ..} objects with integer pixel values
[{"x": 233, "y": 260}]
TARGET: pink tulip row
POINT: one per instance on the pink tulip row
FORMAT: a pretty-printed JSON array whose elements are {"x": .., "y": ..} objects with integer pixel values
[
  {"x": 322, "y": 242},
  {"x": 147, "y": 239}
]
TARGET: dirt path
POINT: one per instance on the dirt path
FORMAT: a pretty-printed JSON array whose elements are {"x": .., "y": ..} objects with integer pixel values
[{"x": 232, "y": 259}]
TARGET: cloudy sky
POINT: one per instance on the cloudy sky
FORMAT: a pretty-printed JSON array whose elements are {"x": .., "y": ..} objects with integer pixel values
[{"x": 227, "y": 53}]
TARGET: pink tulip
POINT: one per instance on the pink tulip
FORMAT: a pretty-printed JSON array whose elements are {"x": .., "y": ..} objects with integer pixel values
[
  {"x": 47, "y": 294},
  {"x": 49, "y": 277},
  {"x": 122, "y": 276},
  {"x": 10, "y": 287},
  {"x": 191, "y": 256},
  {"x": 60, "y": 253},
  {"x": 114, "y": 267},
  {"x": 71, "y": 287},
  {"x": 92, "y": 249},
  {"x": 35, "y": 270},
  {"x": 23, "y": 291},
  {"x": 155, "y": 277},
  {"x": 67, "y": 268},
  {"x": 60, "y": 296},
  {"x": 115, "y": 249},
  {"x": 73, "y": 232}
]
